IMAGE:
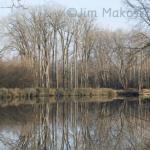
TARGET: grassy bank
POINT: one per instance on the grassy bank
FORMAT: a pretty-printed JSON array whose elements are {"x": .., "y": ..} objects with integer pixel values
[{"x": 45, "y": 92}]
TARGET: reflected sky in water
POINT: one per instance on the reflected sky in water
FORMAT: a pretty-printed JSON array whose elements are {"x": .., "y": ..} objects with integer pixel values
[{"x": 76, "y": 125}]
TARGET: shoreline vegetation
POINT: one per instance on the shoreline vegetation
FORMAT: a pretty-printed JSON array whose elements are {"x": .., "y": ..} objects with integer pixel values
[
  {"x": 60, "y": 58},
  {"x": 82, "y": 92}
]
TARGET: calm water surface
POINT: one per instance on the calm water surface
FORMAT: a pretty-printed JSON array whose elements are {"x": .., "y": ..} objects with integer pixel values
[{"x": 76, "y": 125}]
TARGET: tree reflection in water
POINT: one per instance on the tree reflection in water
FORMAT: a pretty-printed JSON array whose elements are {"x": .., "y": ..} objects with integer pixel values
[{"x": 76, "y": 125}]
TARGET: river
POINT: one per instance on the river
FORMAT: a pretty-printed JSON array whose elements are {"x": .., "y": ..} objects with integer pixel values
[{"x": 120, "y": 124}]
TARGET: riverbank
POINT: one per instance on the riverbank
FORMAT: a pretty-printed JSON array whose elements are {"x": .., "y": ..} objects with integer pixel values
[{"x": 45, "y": 92}]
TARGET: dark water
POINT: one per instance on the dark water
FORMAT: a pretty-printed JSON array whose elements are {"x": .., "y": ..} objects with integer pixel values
[{"x": 76, "y": 125}]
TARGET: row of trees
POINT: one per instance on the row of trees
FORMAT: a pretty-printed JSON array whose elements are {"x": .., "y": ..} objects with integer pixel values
[{"x": 72, "y": 52}]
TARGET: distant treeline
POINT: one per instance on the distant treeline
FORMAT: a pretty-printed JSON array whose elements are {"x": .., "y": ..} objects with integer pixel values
[{"x": 59, "y": 51}]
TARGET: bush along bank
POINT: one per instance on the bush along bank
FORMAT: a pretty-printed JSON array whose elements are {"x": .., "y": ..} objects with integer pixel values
[
  {"x": 46, "y": 92},
  {"x": 81, "y": 92}
]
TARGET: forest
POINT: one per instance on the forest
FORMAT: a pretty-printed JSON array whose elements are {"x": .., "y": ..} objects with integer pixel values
[{"x": 48, "y": 48}]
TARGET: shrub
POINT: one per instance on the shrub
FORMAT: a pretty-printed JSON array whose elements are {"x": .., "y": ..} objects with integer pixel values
[
  {"x": 3, "y": 93},
  {"x": 15, "y": 75}
]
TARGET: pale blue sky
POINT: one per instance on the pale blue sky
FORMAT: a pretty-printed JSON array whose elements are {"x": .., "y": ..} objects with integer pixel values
[{"x": 97, "y": 5}]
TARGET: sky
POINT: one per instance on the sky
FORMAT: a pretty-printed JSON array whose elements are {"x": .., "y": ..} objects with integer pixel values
[{"x": 103, "y": 10}]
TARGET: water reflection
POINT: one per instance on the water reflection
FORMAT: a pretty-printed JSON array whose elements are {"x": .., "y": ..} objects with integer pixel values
[{"x": 76, "y": 125}]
